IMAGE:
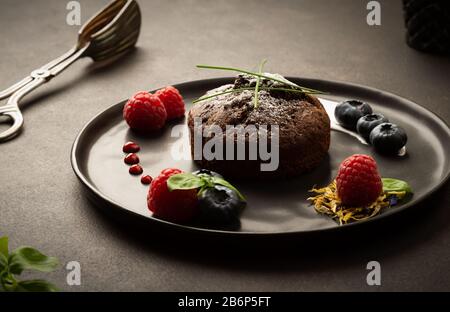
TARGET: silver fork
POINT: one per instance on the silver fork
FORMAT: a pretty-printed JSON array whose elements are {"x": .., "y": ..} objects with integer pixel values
[{"x": 108, "y": 35}]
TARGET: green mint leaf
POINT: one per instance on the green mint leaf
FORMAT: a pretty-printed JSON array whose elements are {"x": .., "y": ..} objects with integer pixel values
[
  {"x": 27, "y": 258},
  {"x": 225, "y": 183},
  {"x": 207, "y": 179},
  {"x": 201, "y": 190},
  {"x": 4, "y": 246},
  {"x": 8, "y": 281},
  {"x": 3, "y": 253},
  {"x": 3, "y": 263},
  {"x": 36, "y": 286},
  {"x": 184, "y": 181},
  {"x": 395, "y": 185}
]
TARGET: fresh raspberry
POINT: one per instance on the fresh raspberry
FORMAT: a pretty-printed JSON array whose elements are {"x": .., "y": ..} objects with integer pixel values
[
  {"x": 358, "y": 182},
  {"x": 145, "y": 112},
  {"x": 173, "y": 102},
  {"x": 178, "y": 206}
]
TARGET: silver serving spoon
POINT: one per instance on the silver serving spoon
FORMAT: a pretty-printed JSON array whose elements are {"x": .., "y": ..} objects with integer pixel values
[{"x": 109, "y": 34}]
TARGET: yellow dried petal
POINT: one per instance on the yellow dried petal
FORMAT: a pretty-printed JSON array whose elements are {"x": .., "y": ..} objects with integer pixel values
[{"x": 327, "y": 202}]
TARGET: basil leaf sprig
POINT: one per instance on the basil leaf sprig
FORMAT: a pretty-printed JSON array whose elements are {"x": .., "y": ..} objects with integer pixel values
[
  {"x": 189, "y": 181},
  {"x": 24, "y": 258},
  {"x": 395, "y": 185},
  {"x": 395, "y": 190}
]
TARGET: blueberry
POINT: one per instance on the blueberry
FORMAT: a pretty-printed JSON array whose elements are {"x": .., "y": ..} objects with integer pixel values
[
  {"x": 220, "y": 207},
  {"x": 208, "y": 172},
  {"x": 348, "y": 112},
  {"x": 388, "y": 138},
  {"x": 366, "y": 123}
]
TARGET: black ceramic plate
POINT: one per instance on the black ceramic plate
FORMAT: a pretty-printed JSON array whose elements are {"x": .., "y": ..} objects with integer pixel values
[{"x": 273, "y": 207}]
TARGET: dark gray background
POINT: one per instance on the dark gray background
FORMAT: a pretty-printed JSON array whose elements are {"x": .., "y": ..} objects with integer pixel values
[{"x": 41, "y": 203}]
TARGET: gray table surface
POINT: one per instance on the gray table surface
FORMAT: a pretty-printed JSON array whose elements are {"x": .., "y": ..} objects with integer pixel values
[{"x": 41, "y": 201}]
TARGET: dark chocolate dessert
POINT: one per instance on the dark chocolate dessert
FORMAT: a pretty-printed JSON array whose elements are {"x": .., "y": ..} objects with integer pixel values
[{"x": 301, "y": 141}]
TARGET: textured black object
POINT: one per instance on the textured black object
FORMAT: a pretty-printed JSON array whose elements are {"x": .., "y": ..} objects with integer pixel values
[{"x": 428, "y": 24}]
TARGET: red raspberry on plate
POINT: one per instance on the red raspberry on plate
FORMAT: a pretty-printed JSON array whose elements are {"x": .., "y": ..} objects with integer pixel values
[
  {"x": 173, "y": 102},
  {"x": 145, "y": 112},
  {"x": 178, "y": 206},
  {"x": 358, "y": 182}
]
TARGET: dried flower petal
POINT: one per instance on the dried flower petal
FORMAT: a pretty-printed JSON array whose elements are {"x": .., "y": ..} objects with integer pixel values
[{"x": 328, "y": 203}]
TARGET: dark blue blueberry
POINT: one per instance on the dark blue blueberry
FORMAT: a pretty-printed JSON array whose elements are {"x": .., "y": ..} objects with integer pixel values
[
  {"x": 220, "y": 207},
  {"x": 348, "y": 112},
  {"x": 388, "y": 138},
  {"x": 366, "y": 124}
]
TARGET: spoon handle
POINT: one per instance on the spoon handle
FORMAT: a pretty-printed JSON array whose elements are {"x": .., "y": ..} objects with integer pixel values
[
  {"x": 68, "y": 61},
  {"x": 20, "y": 89},
  {"x": 9, "y": 91}
]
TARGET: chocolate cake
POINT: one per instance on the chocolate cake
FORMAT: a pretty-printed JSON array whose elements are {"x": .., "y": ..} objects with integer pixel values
[{"x": 304, "y": 128}]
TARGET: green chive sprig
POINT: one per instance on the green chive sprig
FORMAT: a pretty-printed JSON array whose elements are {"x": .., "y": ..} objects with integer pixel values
[
  {"x": 258, "y": 87},
  {"x": 258, "y": 81},
  {"x": 206, "y": 97},
  {"x": 265, "y": 75}
]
